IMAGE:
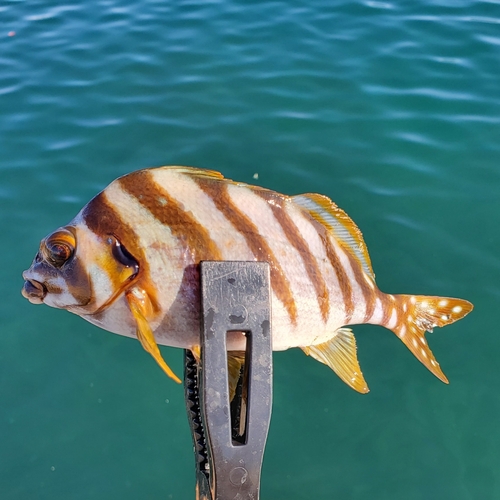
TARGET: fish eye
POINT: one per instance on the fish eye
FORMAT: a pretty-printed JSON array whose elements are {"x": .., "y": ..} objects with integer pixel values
[
  {"x": 59, "y": 247},
  {"x": 58, "y": 252}
]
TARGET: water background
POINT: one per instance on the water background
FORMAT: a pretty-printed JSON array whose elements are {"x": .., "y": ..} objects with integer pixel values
[{"x": 390, "y": 108}]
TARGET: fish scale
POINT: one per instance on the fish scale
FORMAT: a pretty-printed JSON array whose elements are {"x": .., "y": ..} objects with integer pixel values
[{"x": 128, "y": 262}]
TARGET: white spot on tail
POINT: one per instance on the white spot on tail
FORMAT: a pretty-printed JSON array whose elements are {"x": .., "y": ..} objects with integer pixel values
[
  {"x": 393, "y": 321},
  {"x": 424, "y": 354},
  {"x": 457, "y": 309},
  {"x": 443, "y": 303},
  {"x": 413, "y": 300}
]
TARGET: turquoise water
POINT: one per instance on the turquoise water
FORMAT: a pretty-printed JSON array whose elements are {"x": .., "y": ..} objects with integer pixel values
[{"x": 390, "y": 108}]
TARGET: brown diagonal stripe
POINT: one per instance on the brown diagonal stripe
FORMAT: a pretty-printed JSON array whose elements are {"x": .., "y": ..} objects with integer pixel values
[
  {"x": 357, "y": 268},
  {"x": 369, "y": 295},
  {"x": 299, "y": 243},
  {"x": 217, "y": 191},
  {"x": 184, "y": 226},
  {"x": 343, "y": 279},
  {"x": 103, "y": 219},
  {"x": 386, "y": 307},
  {"x": 344, "y": 284}
]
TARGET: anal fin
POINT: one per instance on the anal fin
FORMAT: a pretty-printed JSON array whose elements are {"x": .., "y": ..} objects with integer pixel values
[
  {"x": 339, "y": 353},
  {"x": 235, "y": 363}
]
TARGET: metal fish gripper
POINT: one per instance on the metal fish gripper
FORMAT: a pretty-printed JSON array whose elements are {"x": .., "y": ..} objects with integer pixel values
[{"x": 229, "y": 437}]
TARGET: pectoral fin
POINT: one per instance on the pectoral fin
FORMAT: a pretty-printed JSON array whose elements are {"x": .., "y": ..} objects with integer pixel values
[
  {"x": 339, "y": 353},
  {"x": 138, "y": 307}
]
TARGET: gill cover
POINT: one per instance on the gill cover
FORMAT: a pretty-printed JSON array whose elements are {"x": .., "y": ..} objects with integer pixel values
[{"x": 109, "y": 266}]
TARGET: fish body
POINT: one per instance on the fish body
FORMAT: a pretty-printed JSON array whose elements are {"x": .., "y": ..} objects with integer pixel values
[{"x": 129, "y": 263}]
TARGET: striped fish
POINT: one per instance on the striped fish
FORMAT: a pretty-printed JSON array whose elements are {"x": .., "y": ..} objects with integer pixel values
[{"x": 128, "y": 263}]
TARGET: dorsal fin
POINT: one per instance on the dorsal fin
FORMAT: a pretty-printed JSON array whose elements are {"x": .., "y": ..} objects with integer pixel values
[
  {"x": 322, "y": 209},
  {"x": 339, "y": 353},
  {"x": 197, "y": 172}
]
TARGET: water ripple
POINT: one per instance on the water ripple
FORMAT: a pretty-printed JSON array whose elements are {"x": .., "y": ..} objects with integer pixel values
[
  {"x": 417, "y": 138},
  {"x": 433, "y": 93},
  {"x": 53, "y": 12},
  {"x": 379, "y": 5},
  {"x": 491, "y": 40},
  {"x": 97, "y": 122}
]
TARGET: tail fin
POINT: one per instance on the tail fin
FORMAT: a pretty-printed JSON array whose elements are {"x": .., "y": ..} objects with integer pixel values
[{"x": 418, "y": 314}]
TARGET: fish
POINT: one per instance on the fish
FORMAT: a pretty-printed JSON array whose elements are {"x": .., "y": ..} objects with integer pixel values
[{"x": 129, "y": 263}]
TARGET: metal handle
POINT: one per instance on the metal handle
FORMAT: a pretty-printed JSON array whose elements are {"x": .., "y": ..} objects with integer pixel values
[{"x": 235, "y": 296}]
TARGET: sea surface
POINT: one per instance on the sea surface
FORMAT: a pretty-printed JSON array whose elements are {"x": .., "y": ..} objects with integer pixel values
[{"x": 391, "y": 108}]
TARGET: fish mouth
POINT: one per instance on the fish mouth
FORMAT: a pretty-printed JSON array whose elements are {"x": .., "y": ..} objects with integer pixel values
[{"x": 34, "y": 291}]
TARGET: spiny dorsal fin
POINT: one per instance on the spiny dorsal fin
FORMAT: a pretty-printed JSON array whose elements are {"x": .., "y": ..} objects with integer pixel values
[
  {"x": 339, "y": 353},
  {"x": 197, "y": 172},
  {"x": 339, "y": 223}
]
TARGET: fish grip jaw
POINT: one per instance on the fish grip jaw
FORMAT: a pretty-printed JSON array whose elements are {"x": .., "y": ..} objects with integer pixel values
[
  {"x": 192, "y": 398},
  {"x": 235, "y": 296}
]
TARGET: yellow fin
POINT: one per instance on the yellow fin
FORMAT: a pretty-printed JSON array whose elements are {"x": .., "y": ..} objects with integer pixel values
[
  {"x": 196, "y": 350},
  {"x": 198, "y": 172},
  {"x": 421, "y": 314},
  {"x": 322, "y": 209},
  {"x": 235, "y": 362},
  {"x": 138, "y": 307},
  {"x": 339, "y": 353}
]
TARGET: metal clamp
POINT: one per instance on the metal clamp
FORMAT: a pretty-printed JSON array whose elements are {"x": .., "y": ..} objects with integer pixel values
[{"x": 229, "y": 437}]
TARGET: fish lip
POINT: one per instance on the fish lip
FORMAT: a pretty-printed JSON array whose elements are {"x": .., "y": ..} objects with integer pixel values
[{"x": 33, "y": 290}]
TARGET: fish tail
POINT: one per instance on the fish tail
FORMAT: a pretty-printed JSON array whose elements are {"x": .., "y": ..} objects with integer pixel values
[{"x": 412, "y": 316}]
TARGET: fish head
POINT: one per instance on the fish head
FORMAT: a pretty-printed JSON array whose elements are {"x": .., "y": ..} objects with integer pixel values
[{"x": 80, "y": 271}]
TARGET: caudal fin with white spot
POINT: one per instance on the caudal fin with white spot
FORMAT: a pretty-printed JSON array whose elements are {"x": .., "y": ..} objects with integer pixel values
[{"x": 420, "y": 314}]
